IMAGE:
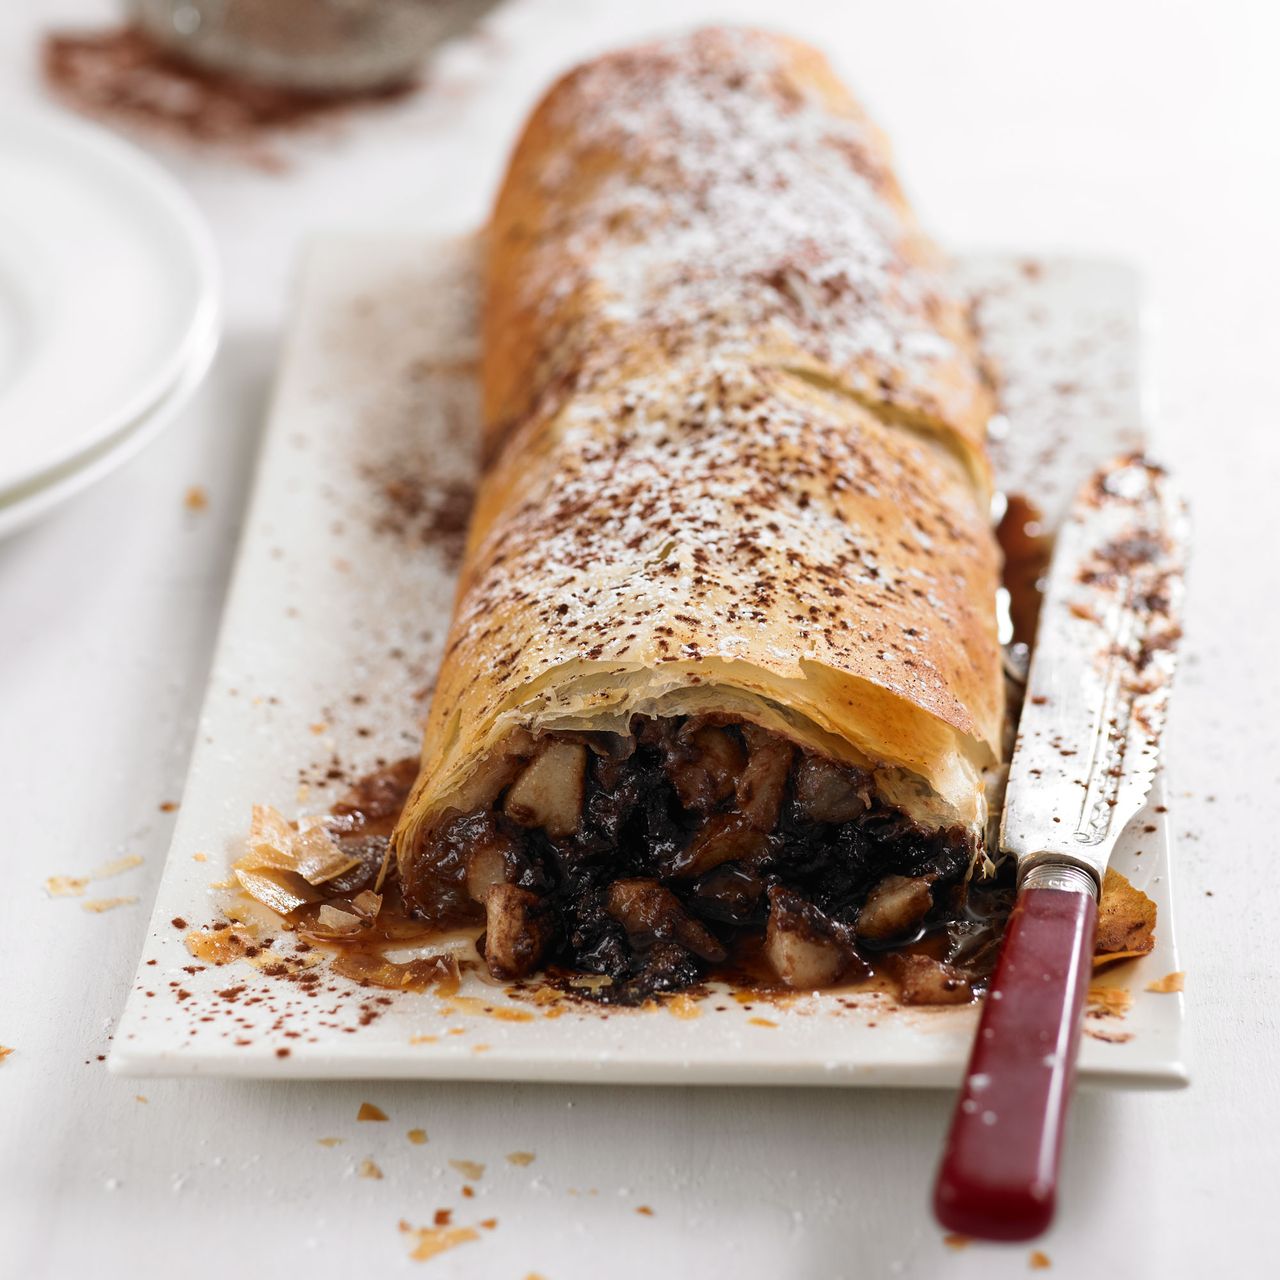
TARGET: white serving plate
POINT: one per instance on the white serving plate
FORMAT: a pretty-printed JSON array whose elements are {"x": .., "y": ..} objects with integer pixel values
[
  {"x": 331, "y": 636},
  {"x": 108, "y": 292}
]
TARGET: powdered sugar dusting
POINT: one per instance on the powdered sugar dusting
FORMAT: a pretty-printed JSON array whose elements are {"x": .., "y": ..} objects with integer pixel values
[
  {"x": 800, "y": 530},
  {"x": 726, "y": 386},
  {"x": 720, "y": 195}
]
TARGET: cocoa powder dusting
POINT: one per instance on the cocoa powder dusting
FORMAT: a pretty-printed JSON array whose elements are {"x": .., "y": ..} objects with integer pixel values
[
  {"x": 121, "y": 74},
  {"x": 435, "y": 514}
]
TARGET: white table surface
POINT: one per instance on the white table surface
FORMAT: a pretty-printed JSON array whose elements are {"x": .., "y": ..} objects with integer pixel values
[{"x": 1147, "y": 130}]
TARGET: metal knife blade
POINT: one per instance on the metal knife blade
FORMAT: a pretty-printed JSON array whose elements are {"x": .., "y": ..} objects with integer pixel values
[{"x": 1088, "y": 740}]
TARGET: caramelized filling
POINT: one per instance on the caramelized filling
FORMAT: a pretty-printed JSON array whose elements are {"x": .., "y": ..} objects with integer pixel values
[{"x": 693, "y": 847}]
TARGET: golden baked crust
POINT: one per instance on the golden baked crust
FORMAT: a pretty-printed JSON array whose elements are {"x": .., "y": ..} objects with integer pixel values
[
  {"x": 720, "y": 193},
  {"x": 735, "y": 426}
]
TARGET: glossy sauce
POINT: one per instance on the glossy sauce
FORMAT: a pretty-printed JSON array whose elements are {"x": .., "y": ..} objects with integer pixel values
[{"x": 1027, "y": 550}]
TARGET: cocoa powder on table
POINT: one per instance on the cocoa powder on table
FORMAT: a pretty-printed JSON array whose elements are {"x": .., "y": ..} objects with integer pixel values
[{"x": 122, "y": 75}]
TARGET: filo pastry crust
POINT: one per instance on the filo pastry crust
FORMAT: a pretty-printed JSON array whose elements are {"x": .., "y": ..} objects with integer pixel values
[{"x": 734, "y": 422}]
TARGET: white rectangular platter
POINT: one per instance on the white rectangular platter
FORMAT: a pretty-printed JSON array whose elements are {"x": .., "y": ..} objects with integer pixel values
[{"x": 337, "y": 614}]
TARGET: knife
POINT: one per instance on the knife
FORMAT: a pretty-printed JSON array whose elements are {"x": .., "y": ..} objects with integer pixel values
[{"x": 1086, "y": 752}]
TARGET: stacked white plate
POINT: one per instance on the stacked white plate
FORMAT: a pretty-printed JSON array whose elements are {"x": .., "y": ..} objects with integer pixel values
[{"x": 109, "y": 308}]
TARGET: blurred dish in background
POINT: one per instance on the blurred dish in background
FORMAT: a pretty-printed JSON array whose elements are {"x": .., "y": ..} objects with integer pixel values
[
  {"x": 236, "y": 75},
  {"x": 109, "y": 304},
  {"x": 321, "y": 46}
]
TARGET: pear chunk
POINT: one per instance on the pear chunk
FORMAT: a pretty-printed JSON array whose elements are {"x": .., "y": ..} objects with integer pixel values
[{"x": 548, "y": 794}]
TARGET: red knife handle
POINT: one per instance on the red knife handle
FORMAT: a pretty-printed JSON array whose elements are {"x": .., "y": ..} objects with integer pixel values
[{"x": 998, "y": 1179}]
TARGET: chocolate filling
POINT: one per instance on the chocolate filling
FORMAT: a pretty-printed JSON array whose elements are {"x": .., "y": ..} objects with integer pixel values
[{"x": 660, "y": 857}]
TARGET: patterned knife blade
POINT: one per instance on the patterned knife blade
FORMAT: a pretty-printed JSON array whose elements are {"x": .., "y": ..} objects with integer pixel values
[{"x": 1088, "y": 738}]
